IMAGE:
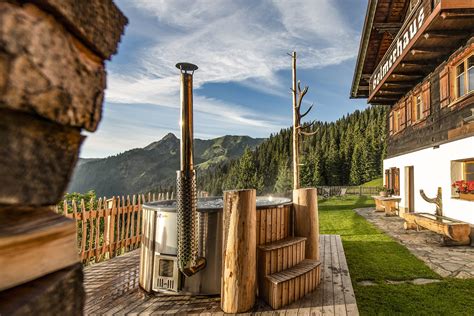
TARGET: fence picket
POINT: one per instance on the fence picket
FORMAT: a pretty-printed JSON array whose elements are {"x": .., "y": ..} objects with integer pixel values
[
  {"x": 84, "y": 226},
  {"x": 127, "y": 229}
]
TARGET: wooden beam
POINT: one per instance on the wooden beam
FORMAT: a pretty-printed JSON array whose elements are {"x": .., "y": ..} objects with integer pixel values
[
  {"x": 405, "y": 76},
  {"x": 417, "y": 64},
  {"x": 385, "y": 99},
  {"x": 457, "y": 15},
  {"x": 399, "y": 85},
  {"x": 444, "y": 34},
  {"x": 390, "y": 27},
  {"x": 382, "y": 102},
  {"x": 392, "y": 92},
  {"x": 425, "y": 51},
  {"x": 364, "y": 88}
]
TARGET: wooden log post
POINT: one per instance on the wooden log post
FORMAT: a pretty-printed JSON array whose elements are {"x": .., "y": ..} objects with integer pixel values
[
  {"x": 306, "y": 221},
  {"x": 239, "y": 266}
]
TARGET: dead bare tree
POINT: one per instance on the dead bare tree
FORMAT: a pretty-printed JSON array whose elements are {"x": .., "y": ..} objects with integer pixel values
[{"x": 298, "y": 95}]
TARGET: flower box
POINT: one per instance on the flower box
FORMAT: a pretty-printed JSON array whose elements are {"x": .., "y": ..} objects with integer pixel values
[{"x": 466, "y": 196}]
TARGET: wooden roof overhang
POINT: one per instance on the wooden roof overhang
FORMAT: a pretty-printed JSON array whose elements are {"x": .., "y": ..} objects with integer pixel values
[
  {"x": 382, "y": 22},
  {"x": 431, "y": 32}
]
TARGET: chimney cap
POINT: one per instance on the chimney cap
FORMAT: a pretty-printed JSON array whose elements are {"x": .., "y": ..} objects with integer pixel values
[{"x": 186, "y": 67}]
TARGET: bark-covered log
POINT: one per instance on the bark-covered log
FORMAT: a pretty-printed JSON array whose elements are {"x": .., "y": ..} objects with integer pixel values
[
  {"x": 37, "y": 158},
  {"x": 46, "y": 71},
  {"x": 97, "y": 23},
  {"x": 305, "y": 208},
  {"x": 239, "y": 258}
]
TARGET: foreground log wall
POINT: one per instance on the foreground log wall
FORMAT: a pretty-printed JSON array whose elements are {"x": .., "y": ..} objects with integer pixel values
[{"x": 52, "y": 81}]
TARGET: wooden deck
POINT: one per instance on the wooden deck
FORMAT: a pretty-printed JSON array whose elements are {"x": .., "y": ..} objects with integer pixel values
[{"x": 112, "y": 289}]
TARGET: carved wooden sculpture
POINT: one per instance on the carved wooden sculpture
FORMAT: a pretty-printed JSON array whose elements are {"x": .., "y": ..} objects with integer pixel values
[
  {"x": 438, "y": 200},
  {"x": 298, "y": 130}
]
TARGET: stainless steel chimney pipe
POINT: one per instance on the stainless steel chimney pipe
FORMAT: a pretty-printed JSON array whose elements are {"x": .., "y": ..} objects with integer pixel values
[{"x": 190, "y": 260}]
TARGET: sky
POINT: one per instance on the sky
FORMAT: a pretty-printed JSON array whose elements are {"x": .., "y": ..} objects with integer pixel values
[{"x": 242, "y": 86}]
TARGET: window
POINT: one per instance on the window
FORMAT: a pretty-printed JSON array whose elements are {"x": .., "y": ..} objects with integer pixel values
[
  {"x": 460, "y": 80},
  {"x": 470, "y": 73},
  {"x": 462, "y": 179},
  {"x": 464, "y": 77},
  {"x": 418, "y": 107},
  {"x": 469, "y": 170},
  {"x": 392, "y": 180}
]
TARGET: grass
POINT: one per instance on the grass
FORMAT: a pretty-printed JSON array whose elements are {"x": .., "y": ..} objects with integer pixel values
[
  {"x": 372, "y": 255},
  {"x": 374, "y": 183}
]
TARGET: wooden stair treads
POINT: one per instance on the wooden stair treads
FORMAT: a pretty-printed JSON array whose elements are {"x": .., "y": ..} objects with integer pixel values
[
  {"x": 273, "y": 224},
  {"x": 280, "y": 255},
  {"x": 287, "y": 286}
]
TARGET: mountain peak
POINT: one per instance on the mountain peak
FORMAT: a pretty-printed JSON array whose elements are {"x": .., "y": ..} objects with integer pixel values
[{"x": 170, "y": 136}]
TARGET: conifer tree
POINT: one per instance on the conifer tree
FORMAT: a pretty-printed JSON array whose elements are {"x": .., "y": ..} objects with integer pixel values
[{"x": 284, "y": 180}]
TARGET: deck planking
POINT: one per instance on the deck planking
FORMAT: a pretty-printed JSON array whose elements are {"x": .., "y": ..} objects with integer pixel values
[{"x": 112, "y": 289}]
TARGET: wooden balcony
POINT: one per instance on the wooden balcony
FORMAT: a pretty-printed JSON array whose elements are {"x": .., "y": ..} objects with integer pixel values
[{"x": 432, "y": 31}]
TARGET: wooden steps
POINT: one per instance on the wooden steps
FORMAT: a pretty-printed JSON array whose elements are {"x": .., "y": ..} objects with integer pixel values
[
  {"x": 273, "y": 224},
  {"x": 284, "y": 273},
  {"x": 288, "y": 286},
  {"x": 280, "y": 255}
]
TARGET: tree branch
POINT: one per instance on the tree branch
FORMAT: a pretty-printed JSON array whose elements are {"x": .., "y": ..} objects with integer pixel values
[
  {"x": 307, "y": 111},
  {"x": 308, "y": 133},
  {"x": 301, "y": 95}
]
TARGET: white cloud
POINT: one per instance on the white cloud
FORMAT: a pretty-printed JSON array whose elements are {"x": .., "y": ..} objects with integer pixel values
[{"x": 243, "y": 42}]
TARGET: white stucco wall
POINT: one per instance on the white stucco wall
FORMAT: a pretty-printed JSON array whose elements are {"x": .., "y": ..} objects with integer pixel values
[{"x": 432, "y": 168}]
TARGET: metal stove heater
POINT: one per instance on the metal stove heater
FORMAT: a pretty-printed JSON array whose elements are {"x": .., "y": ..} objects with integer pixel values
[{"x": 181, "y": 245}]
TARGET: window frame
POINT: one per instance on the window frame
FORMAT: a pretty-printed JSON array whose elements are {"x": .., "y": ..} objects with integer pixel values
[
  {"x": 392, "y": 180},
  {"x": 464, "y": 169},
  {"x": 465, "y": 75}
]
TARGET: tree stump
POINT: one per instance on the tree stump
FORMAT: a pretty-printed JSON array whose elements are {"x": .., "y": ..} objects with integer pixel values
[
  {"x": 306, "y": 221},
  {"x": 239, "y": 266}
]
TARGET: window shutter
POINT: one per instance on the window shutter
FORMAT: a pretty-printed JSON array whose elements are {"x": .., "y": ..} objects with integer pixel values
[
  {"x": 408, "y": 111},
  {"x": 426, "y": 99},
  {"x": 413, "y": 108},
  {"x": 390, "y": 123},
  {"x": 387, "y": 178},
  {"x": 402, "y": 115},
  {"x": 396, "y": 185},
  {"x": 444, "y": 96}
]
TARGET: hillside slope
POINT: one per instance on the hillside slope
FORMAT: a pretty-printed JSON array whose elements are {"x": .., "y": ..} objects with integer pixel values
[
  {"x": 348, "y": 151},
  {"x": 154, "y": 166}
]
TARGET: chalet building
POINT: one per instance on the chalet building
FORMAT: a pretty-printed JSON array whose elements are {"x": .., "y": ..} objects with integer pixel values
[{"x": 417, "y": 57}]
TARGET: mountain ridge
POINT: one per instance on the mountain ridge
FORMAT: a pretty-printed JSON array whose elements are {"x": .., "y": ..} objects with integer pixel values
[{"x": 154, "y": 166}]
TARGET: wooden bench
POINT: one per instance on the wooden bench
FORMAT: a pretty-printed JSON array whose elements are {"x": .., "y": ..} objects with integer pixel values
[
  {"x": 387, "y": 204},
  {"x": 454, "y": 232}
]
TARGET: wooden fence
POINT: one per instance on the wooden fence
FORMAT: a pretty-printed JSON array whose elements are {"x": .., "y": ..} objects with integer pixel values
[
  {"x": 326, "y": 191},
  {"x": 108, "y": 227}
]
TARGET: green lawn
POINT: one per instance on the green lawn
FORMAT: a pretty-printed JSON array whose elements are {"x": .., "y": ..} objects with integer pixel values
[
  {"x": 372, "y": 255},
  {"x": 374, "y": 183}
]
